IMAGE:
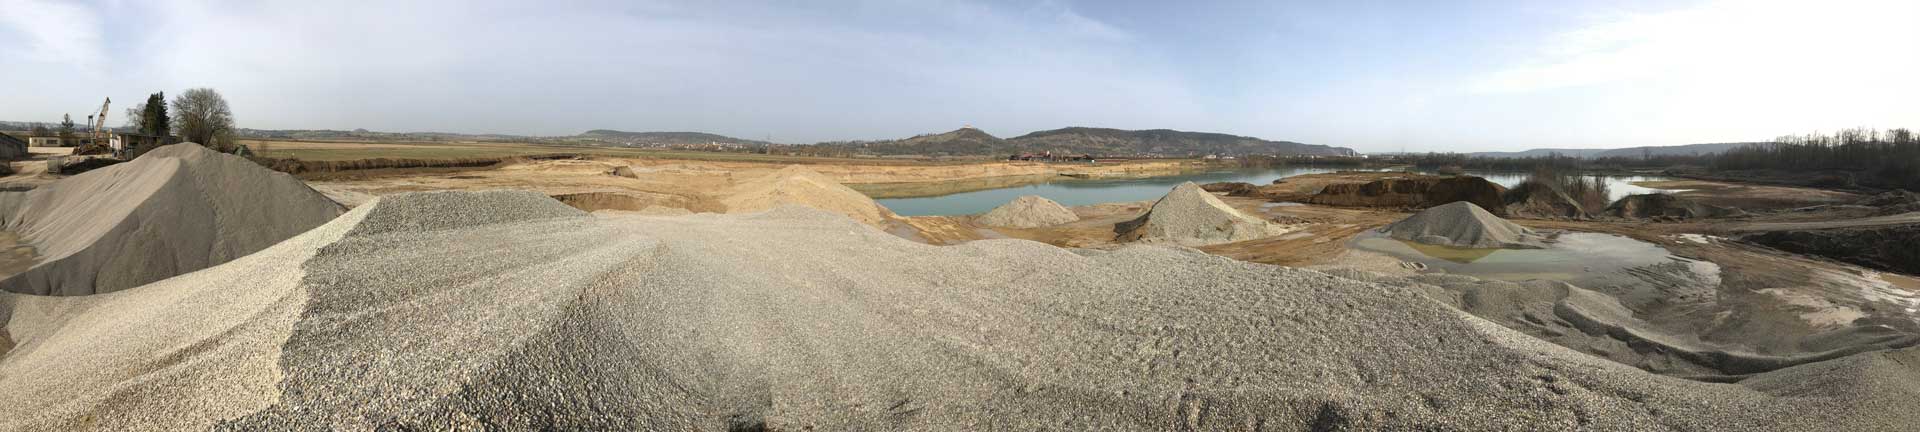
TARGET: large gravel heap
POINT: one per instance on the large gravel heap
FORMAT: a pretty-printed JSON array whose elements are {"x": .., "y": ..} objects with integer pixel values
[
  {"x": 533, "y": 317},
  {"x": 174, "y": 210},
  {"x": 1030, "y": 211},
  {"x": 800, "y": 186},
  {"x": 1190, "y": 216},
  {"x": 1462, "y": 224}
]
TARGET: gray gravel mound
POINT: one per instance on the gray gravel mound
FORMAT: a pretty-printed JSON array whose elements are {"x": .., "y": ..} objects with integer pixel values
[
  {"x": 1462, "y": 224},
  {"x": 1030, "y": 211},
  {"x": 174, "y": 210},
  {"x": 1190, "y": 216},
  {"x": 429, "y": 211},
  {"x": 798, "y": 319}
]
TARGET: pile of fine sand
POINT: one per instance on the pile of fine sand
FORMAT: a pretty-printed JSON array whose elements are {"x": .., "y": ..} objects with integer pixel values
[
  {"x": 1462, "y": 224},
  {"x": 800, "y": 186},
  {"x": 174, "y": 210},
  {"x": 530, "y": 316},
  {"x": 1190, "y": 216},
  {"x": 1030, "y": 211}
]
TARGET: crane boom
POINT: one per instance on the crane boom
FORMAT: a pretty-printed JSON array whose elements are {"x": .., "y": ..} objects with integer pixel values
[{"x": 100, "y": 122}]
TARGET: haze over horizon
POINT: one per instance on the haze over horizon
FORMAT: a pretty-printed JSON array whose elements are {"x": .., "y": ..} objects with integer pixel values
[{"x": 1381, "y": 77}]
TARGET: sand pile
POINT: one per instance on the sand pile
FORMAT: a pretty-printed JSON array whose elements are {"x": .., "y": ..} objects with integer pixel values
[
  {"x": 1665, "y": 206},
  {"x": 174, "y": 210},
  {"x": 1029, "y": 211},
  {"x": 798, "y": 319},
  {"x": 1462, "y": 224},
  {"x": 1190, "y": 216},
  {"x": 800, "y": 186}
]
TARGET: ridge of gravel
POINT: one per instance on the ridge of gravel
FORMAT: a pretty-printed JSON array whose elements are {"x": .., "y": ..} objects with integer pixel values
[{"x": 1462, "y": 224}]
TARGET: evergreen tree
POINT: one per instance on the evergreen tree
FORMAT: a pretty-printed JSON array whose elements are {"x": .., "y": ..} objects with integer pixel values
[{"x": 155, "y": 120}]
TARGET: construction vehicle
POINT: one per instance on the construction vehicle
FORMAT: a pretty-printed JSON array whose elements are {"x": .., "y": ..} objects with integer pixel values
[{"x": 101, "y": 138}]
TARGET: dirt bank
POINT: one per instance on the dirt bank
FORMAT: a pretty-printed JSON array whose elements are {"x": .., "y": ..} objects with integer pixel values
[
  {"x": 1414, "y": 192},
  {"x": 1889, "y": 247}
]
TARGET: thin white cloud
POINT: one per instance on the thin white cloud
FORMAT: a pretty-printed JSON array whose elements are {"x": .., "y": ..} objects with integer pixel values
[
  {"x": 1718, "y": 44},
  {"x": 51, "y": 32}
]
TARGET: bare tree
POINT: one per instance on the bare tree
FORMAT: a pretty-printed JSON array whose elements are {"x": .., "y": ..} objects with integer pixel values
[{"x": 201, "y": 116}]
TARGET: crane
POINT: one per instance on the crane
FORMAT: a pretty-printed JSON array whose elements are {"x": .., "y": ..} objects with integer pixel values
[{"x": 99, "y": 124}]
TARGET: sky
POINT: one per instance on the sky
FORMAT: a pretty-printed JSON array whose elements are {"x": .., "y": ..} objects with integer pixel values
[{"x": 1376, "y": 76}]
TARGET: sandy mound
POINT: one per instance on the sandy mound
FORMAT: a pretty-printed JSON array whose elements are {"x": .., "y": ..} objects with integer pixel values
[
  {"x": 800, "y": 186},
  {"x": 1413, "y": 192},
  {"x": 1190, "y": 216},
  {"x": 1462, "y": 224},
  {"x": 1648, "y": 206},
  {"x": 797, "y": 319},
  {"x": 174, "y": 210},
  {"x": 1028, "y": 212}
]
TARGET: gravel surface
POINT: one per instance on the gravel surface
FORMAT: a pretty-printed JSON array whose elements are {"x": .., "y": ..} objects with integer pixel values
[
  {"x": 798, "y": 319},
  {"x": 1462, "y": 224},
  {"x": 1190, "y": 216},
  {"x": 1029, "y": 211},
  {"x": 174, "y": 210}
]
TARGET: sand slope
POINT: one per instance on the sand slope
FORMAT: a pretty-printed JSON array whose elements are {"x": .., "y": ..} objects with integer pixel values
[
  {"x": 1029, "y": 211},
  {"x": 174, "y": 210},
  {"x": 1462, "y": 224},
  {"x": 800, "y": 186},
  {"x": 1190, "y": 216},
  {"x": 795, "y": 318}
]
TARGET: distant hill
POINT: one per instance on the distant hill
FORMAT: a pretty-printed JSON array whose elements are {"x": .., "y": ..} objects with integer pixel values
[
  {"x": 965, "y": 141},
  {"x": 1677, "y": 150},
  {"x": 1536, "y": 153},
  {"x": 1163, "y": 142},
  {"x": 665, "y": 138},
  {"x": 1095, "y": 141}
]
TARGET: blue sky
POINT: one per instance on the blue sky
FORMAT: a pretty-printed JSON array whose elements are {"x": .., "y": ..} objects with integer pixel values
[{"x": 1375, "y": 76}]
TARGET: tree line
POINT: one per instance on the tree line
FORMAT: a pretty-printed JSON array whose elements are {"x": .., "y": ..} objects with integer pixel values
[
  {"x": 1874, "y": 158},
  {"x": 198, "y": 115}
]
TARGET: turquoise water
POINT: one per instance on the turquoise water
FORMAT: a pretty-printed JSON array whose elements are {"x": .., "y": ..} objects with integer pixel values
[{"x": 1077, "y": 192}]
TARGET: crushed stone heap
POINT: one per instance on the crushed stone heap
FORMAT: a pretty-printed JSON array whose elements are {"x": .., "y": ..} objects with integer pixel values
[
  {"x": 1030, "y": 211},
  {"x": 174, "y": 210},
  {"x": 1190, "y": 216},
  {"x": 1462, "y": 224}
]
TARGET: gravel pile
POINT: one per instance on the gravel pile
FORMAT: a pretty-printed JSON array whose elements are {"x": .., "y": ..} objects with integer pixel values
[
  {"x": 798, "y": 319},
  {"x": 174, "y": 210},
  {"x": 1462, "y": 224},
  {"x": 1190, "y": 216},
  {"x": 1030, "y": 211},
  {"x": 800, "y": 186}
]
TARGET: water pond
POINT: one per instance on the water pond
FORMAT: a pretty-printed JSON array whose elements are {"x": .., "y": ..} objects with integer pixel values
[{"x": 1077, "y": 192}]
